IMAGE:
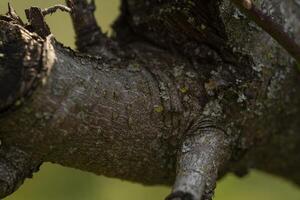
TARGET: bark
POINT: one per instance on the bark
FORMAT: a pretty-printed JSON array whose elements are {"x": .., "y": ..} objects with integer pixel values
[{"x": 182, "y": 93}]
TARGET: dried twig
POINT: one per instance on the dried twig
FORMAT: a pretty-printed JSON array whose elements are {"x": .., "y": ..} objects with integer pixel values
[{"x": 54, "y": 8}]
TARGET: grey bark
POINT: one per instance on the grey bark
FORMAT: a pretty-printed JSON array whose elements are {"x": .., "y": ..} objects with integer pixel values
[{"x": 182, "y": 90}]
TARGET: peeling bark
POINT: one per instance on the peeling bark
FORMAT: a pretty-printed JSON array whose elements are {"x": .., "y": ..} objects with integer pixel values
[{"x": 172, "y": 97}]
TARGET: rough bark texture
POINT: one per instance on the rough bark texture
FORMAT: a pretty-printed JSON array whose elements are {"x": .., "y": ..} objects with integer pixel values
[{"x": 186, "y": 90}]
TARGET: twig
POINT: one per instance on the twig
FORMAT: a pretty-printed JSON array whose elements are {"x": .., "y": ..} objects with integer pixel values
[
  {"x": 53, "y": 9},
  {"x": 270, "y": 26}
]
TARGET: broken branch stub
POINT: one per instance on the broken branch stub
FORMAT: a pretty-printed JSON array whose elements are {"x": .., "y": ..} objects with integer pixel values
[{"x": 203, "y": 153}]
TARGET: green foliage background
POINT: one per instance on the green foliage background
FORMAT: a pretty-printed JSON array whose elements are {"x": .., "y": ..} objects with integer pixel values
[{"x": 54, "y": 182}]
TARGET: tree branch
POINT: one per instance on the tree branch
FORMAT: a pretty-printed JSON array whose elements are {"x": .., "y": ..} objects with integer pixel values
[
  {"x": 270, "y": 26},
  {"x": 88, "y": 33},
  {"x": 199, "y": 159},
  {"x": 88, "y": 104},
  {"x": 126, "y": 115},
  {"x": 15, "y": 166}
]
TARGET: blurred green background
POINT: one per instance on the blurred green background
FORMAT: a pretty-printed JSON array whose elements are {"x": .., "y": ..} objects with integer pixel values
[{"x": 59, "y": 183}]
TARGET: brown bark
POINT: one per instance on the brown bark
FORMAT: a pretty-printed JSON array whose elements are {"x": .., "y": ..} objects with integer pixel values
[{"x": 171, "y": 97}]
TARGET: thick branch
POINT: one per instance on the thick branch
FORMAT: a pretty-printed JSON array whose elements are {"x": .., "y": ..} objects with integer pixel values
[{"x": 96, "y": 109}]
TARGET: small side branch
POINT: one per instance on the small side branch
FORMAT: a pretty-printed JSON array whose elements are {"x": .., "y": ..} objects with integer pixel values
[
  {"x": 270, "y": 26},
  {"x": 88, "y": 33},
  {"x": 199, "y": 160}
]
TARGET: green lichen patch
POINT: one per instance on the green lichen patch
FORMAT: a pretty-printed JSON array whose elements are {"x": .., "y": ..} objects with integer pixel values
[{"x": 158, "y": 108}]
